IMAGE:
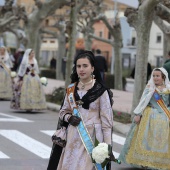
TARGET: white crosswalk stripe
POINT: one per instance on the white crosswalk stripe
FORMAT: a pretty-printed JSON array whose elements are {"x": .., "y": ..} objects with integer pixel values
[
  {"x": 3, "y": 156},
  {"x": 116, "y": 139},
  {"x": 8, "y": 118},
  {"x": 27, "y": 142},
  {"x": 37, "y": 147}
]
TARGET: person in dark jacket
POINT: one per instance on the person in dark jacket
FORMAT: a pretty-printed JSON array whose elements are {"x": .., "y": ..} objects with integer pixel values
[
  {"x": 166, "y": 65},
  {"x": 149, "y": 71},
  {"x": 101, "y": 63}
]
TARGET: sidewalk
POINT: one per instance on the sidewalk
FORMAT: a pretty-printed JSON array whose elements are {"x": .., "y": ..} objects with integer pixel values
[{"x": 122, "y": 103}]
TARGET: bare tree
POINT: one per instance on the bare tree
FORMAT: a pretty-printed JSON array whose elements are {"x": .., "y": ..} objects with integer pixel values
[
  {"x": 41, "y": 11},
  {"x": 9, "y": 18},
  {"x": 115, "y": 32},
  {"x": 141, "y": 19},
  {"x": 116, "y": 42},
  {"x": 76, "y": 6},
  {"x": 162, "y": 20}
]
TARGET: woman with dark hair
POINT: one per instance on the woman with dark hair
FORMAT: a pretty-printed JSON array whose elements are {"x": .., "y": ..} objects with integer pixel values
[
  {"x": 94, "y": 104},
  {"x": 148, "y": 141}
]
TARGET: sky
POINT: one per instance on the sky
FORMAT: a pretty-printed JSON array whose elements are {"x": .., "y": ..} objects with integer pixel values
[
  {"x": 132, "y": 3},
  {"x": 2, "y": 2}
]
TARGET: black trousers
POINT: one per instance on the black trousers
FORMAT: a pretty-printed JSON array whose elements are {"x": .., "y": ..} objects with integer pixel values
[{"x": 54, "y": 157}]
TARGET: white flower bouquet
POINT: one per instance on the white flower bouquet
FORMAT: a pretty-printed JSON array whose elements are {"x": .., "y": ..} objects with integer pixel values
[
  {"x": 44, "y": 81},
  {"x": 102, "y": 154},
  {"x": 13, "y": 74}
]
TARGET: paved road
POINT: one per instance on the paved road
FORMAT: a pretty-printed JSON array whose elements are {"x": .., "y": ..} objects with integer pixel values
[{"x": 25, "y": 142}]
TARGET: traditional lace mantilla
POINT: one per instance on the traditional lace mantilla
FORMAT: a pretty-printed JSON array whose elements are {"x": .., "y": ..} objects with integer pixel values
[{"x": 94, "y": 93}]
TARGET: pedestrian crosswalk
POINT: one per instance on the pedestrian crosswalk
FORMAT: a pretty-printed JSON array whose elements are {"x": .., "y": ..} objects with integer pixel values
[
  {"x": 9, "y": 118},
  {"x": 38, "y": 147}
]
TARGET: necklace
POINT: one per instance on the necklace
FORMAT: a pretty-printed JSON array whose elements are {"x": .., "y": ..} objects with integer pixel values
[
  {"x": 160, "y": 87},
  {"x": 83, "y": 84}
]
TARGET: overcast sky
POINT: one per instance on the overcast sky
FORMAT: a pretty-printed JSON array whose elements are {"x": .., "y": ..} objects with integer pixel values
[
  {"x": 2, "y": 2},
  {"x": 133, "y": 3}
]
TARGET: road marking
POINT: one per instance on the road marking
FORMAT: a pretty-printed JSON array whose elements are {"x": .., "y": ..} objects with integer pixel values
[
  {"x": 27, "y": 142},
  {"x": 116, "y": 154},
  {"x": 118, "y": 139},
  {"x": 10, "y": 118},
  {"x": 3, "y": 156}
]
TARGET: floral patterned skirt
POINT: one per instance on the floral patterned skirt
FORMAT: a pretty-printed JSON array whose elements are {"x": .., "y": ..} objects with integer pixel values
[
  {"x": 5, "y": 84},
  {"x": 148, "y": 144},
  {"x": 30, "y": 95}
]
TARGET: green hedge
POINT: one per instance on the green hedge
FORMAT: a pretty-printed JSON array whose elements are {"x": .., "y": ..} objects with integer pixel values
[
  {"x": 49, "y": 73},
  {"x": 109, "y": 81},
  {"x": 56, "y": 96},
  {"x": 109, "y": 78}
]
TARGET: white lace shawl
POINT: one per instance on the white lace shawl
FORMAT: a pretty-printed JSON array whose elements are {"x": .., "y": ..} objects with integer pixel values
[
  {"x": 149, "y": 90},
  {"x": 25, "y": 63}
]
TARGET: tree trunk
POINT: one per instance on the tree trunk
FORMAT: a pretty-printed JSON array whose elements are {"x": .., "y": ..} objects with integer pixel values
[
  {"x": 37, "y": 48},
  {"x": 143, "y": 34},
  {"x": 32, "y": 33},
  {"x": 166, "y": 46},
  {"x": 72, "y": 41},
  {"x": 118, "y": 59},
  {"x": 61, "y": 54},
  {"x": 88, "y": 42}
]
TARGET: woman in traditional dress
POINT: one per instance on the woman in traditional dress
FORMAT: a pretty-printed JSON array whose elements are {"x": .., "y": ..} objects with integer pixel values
[
  {"x": 28, "y": 91},
  {"x": 94, "y": 102},
  {"x": 5, "y": 74},
  {"x": 148, "y": 142}
]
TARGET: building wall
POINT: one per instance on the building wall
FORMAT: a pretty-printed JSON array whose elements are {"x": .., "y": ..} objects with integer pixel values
[
  {"x": 155, "y": 46},
  {"x": 102, "y": 31}
]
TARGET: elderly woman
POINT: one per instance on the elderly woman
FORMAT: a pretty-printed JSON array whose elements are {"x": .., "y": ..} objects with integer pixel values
[
  {"x": 5, "y": 74},
  {"x": 148, "y": 141},
  {"x": 28, "y": 92}
]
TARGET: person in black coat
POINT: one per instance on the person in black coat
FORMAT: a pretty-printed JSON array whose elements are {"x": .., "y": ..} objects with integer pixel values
[
  {"x": 149, "y": 71},
  {"x": 101, "y": 63}
]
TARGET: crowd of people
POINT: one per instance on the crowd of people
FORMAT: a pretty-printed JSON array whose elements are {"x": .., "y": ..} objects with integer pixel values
[
  {"x": 24, "y": 89},
  {"x": 86, "y": 112}
]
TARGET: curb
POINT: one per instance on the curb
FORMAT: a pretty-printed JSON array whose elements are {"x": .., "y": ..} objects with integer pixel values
[{"x": 117, "y": 126}]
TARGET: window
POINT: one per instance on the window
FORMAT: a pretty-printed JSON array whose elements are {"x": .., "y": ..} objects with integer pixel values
[
  {"x": 46, "y": 22},
  {"x": 159, "y": 61},
  {"x": 158, "y": 39},
  {"x": 109, "y": 36},
  {"x": 133, "y": 41},
  {"x": 52, "y": 41},
  {"x": 100, "y": 34}
]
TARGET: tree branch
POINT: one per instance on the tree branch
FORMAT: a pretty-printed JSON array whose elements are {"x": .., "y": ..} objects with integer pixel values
[
  {"x": 163, "y": 12},
  {"x": 159, "y": 22},
  {"x": 47, "y": 31},
  {"x": 101, "y": 39},
  {"x": 4, "y": 22}
]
